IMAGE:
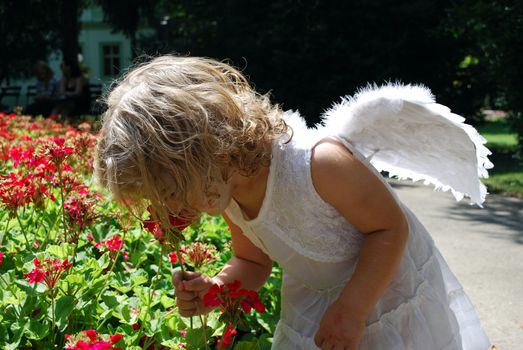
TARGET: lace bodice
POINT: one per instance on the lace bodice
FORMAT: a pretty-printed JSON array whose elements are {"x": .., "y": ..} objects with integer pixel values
[{"x": 293, "y": 211}]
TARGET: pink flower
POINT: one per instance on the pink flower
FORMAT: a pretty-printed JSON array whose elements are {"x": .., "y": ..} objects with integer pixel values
[{"x": 1, "y": 257}]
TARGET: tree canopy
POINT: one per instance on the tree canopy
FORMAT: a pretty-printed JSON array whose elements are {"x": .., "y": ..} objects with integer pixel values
[{"x": 29, "y": 33}]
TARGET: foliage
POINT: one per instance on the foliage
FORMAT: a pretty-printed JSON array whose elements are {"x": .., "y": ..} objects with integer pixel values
[
  {"x": 493, "y": 36},
  {"x": 507, "y": 175},
  {"x": 500, "y": 137},
  {"x": 28, "y": 34},
  {"x": 138, "y": 12},
  {"x": 309, "y": 53},
  {"x": 79, "y": 271}
]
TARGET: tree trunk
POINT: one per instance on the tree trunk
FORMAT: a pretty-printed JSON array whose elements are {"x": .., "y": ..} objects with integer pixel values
[
  {"x": 134, "y": 48},
  {"x": 70, "y": 29}
]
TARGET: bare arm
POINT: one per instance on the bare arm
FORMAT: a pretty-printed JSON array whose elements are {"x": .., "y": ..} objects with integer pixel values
[
  {"x": 249, "y": 264},
  {"x": 363, "y": 200}
]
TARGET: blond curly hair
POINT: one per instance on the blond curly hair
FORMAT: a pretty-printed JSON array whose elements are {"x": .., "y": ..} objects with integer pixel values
[{"x": 175, "y": 125}]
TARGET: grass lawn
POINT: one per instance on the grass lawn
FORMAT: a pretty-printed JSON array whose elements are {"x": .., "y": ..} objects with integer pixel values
[{"x": 507, "y": 175}]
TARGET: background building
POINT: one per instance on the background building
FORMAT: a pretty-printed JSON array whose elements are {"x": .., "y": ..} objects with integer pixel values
[{"x": 104, "y": 54}]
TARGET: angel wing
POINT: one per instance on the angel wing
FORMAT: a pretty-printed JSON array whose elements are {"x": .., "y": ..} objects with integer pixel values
[{"x": 406, "y": 133}]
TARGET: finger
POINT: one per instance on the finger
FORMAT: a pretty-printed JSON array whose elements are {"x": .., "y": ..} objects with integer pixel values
[
  {"x": 186, "y": 304},
  {"x": 177, "y": 278},
  {"x": 327, "y": 345},
  {"x": 190, "y": 275},
  {"x": 187, "y": 312},
  {"x": 186, "y": 296},
  {"x": 198, "y": 284},
  {"x": 318, "y": 339}
]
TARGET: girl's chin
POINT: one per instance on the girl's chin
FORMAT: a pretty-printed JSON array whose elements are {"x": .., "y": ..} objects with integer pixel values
[{"x": 214, "y": 211}]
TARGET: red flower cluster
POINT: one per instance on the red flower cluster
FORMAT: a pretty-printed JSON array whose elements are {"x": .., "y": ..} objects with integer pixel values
[
  {"x": 91, "y": 340},
  {"x": 233, "y": 299},
  {"x": 80, "y": 209},
  {"x": 172, "y": 235},
  {"x": 115, "y": 243},
  {"x": 173, "y": 257},
  {"x": 58, "y": 152},
  {"x": 230, "y": 296},
  {"x": 47, "y": 271},
  {"x": 17, "y": 190},
  {"x": 227, "y": 337}
]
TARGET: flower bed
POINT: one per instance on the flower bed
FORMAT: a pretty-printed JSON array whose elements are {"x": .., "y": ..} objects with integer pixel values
[{"x": 77, "y": 271}]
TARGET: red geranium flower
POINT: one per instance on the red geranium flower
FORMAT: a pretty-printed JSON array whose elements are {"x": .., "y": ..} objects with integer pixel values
[
  {"x": 172, "y": 235},
  {"x": 91, "y": 340},
  {"x": 47, "y": 271},
  {"x": 232, "y": 297},
  {"x": 227, "y": 337}
]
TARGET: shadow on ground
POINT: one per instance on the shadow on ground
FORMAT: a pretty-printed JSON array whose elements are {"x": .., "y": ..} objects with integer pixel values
[
  {"x": 501, "y": 217},
  {"x": 497, "y": 212}
]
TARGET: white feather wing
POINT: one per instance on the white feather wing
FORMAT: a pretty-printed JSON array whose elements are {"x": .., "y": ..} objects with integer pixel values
[{"x": 406, "y": 133}]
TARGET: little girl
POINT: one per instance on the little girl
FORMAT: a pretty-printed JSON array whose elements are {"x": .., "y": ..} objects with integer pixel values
[{"x": 189, "y": 135}]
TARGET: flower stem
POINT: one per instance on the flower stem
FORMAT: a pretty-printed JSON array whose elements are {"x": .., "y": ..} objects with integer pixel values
[
  {"x": 8, "y": 221},
  {"x": 182, "y": 269},
  {"x": 110, "y": 269},
  {"x": 204, "y": 326},
  {"x": 23, "y": 232},
  {"x": 62, "y": 199},
  {"x": 153, "y": 284},
  {"x": 8, "y": 285},
  {"x": 53, "y": 317}
]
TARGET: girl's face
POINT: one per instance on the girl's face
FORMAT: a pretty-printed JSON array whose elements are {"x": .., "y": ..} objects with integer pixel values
[
  {"x": 212, "y": 205},
  {"x": 215, "y": 205}
]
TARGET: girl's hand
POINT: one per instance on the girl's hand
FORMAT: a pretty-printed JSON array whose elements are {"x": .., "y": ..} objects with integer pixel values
[
  {"x": 189, "y": 291},
  {"x": 340, "y": 329}
]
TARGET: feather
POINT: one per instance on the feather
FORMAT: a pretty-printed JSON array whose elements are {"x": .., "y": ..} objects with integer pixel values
[{"x": 406, "y": 133}]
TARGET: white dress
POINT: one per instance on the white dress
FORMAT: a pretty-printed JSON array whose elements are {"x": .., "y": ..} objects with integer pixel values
[{"x": 424, "y": 308}]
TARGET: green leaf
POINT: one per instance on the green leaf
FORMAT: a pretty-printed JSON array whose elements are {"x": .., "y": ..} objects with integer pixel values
[
  {"x": 195, "y": 338},
  {"x": 110, "y": 300},
  {"x": 104, "y": 261},
  {"x": 61, "y": 251},
  {"x": 171, "y": 344},
  {"x": 262, "y": 343},
  {"x": 139, "y": 277},
  {"x": 74, "y": 279},
  {"x": 36, "y": 329},
  {"x": 167, "y": 302},
  {"x": 63, "y": 308},
  {"x": 17, "y": 328},
  {"x": 267, "y": 321}
]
